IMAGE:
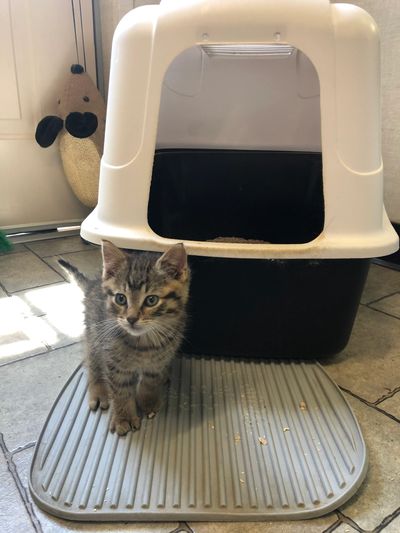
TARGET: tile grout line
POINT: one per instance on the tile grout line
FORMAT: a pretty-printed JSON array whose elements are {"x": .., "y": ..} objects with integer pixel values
[
  {"x": 40, "y": 354},
  {"x": 350, "y": 522},
  {"x": 38, "y": 286},
  {"x": 19, "y": 295},
  {"x": 28, "y": 250},
  {"x": 88, "y": 246},
  {"x": 8, "y": 363},
  {"x": 47, "y": 264},
  {"x": 369, "y": 306},
  {"x": 23, "y": 448},
  {"x": 183, "y": 527},
  {"x": 388, "y": 265},
  {"x": 21, "y": 489},
  {"x": 63, "y": 279},
  {"x": 382, "y": 297},
  {"x": 387, "y": 520},
  {"x": 384, "y": 397},
  {"x": 4, "y": 289},
  {"x": 383, "y": 312},
  {"x": 370, "y": 404},
  {"x": 333, "y": 526},
  {"x": 57, "y": 255}
]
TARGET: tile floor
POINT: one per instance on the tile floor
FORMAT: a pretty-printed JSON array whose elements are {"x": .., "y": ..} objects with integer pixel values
[{"x": 40, "y": 330}]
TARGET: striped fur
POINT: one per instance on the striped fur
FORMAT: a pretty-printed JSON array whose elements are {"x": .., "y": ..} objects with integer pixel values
[{"x": 130, "y": 344}]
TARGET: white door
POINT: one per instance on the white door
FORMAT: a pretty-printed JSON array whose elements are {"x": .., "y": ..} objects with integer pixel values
[{"x": 39, "y": 41}]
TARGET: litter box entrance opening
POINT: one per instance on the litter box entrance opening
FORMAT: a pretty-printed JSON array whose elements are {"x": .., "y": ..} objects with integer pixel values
[
  {"x": 268, "y": 196},
  {"x": 239, "y": 147}
]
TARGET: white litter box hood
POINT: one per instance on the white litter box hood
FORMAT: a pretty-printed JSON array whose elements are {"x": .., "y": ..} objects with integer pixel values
[
  {"x": 339, "y": 45},
  {"x": 267, "y": 101}
]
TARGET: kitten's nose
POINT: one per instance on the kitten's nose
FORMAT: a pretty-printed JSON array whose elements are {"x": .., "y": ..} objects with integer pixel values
[{"x": 132, "y": 319}]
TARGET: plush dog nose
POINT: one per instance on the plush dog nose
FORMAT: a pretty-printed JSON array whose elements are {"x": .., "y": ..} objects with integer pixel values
[
  {"x": 132, "y": 319},
  {"x": 77, "y": 69},
  {"x": 81, "y": 125}
]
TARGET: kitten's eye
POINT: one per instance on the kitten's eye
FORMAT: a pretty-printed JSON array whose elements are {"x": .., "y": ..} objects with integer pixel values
[
  {"x": 151, "y": 301},
  {"x": 120, "y": 299}
]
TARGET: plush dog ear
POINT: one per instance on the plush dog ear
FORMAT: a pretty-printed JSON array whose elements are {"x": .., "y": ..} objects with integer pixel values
[
  {"x": 81, "y": 125},
  {"x": 47, "y": 130}
]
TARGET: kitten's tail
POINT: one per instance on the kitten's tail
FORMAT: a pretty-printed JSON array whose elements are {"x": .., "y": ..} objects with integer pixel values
[{"x": 75, "y": 274}]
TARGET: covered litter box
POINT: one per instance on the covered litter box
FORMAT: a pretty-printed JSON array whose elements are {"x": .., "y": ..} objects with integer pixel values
[
  {"x": 250, "y": 131},
  {"x": 268, "y": 130}
]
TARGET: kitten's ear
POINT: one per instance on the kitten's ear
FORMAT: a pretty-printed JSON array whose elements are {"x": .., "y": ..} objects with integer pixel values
[
  {"x": 113, "y": 259},
  {"x": 174, "y": 262}
]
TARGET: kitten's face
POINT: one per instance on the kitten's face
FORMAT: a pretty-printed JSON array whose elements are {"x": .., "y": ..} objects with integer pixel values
[{"x": 146, "y": 294}]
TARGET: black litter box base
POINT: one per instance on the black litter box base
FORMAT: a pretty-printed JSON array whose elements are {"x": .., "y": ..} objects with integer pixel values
[{"x": 273, "y": 308}]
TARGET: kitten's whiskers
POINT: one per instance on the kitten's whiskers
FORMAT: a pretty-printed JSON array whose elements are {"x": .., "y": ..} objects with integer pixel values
[{"x": 106, "y": 329}]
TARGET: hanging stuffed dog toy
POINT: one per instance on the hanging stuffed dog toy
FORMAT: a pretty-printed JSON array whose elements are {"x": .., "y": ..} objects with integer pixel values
[{"x": 80, "y": 123}]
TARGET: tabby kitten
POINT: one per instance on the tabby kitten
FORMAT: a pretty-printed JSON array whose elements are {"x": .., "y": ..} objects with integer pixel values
[{"x": 135, "y": 318}]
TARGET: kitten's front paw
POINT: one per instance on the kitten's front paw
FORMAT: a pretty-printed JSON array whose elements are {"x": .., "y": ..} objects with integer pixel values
[
  {"x": 123, "y": 425},
  {"x": 94, "y": 403},
  {"x": 148, "y": 405},
  {"x": 98, "y": 395}
]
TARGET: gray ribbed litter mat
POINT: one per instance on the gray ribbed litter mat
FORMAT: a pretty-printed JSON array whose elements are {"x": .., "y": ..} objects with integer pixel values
[{"x": 235, "y": 440}]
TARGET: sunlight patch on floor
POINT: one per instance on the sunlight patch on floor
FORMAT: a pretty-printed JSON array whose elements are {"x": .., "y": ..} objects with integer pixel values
[
  {"x": 12, "y": 307},
  {"x": 40, "y": 318},
  {"x": 18, "y": 344},
  {"x": 62, "y": 305}
]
